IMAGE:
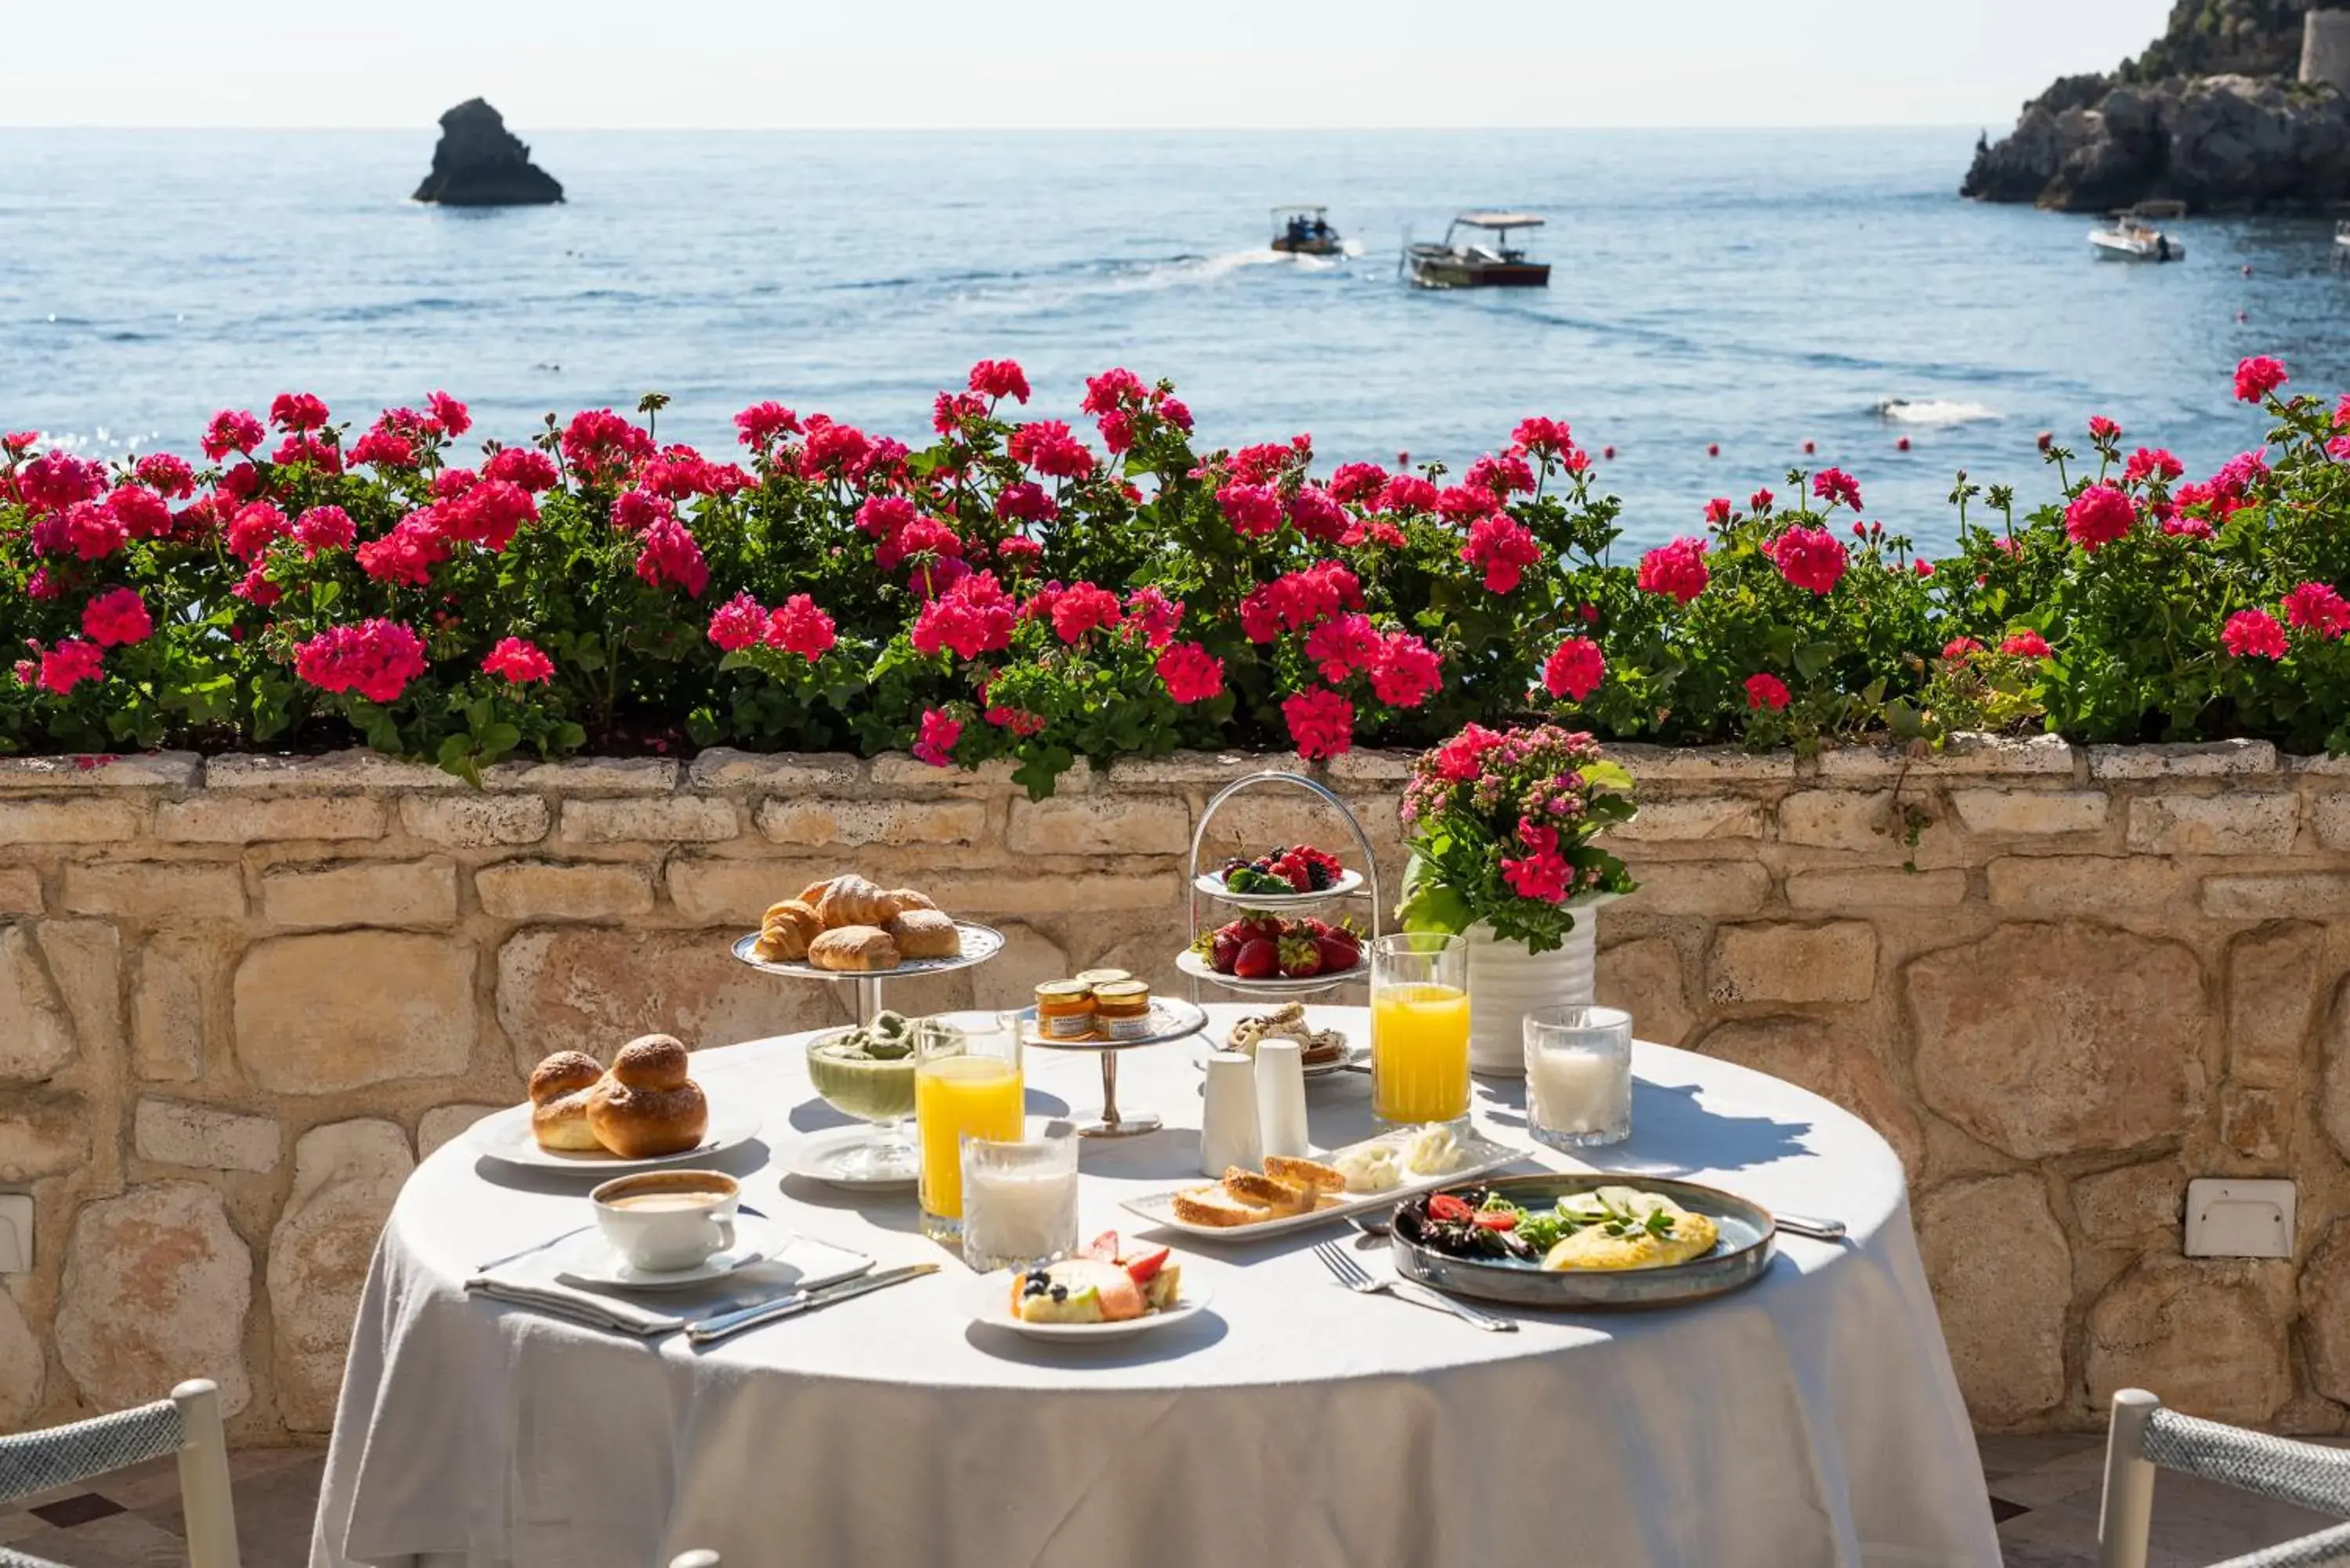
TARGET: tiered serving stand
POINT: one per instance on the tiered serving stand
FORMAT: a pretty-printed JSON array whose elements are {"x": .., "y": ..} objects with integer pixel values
[
  {"x": 1353, "y": 885},
  {"x": 1172, "y": 1020}
]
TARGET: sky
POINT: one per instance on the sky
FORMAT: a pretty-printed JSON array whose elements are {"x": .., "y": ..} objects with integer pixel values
[{"x": 1056, "y": 64}]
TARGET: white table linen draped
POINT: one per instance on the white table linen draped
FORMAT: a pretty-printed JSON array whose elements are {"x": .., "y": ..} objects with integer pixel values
[{"x": 1809, "y": 1420}]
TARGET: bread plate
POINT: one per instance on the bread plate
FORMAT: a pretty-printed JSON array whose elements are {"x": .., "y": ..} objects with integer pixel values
[
  {"x": 506, "y": 1137},
  {"x": 1171, "y": 1018},
  {"x": 988, "y": 1300},
  {"x": 1198, "y": 968},
  {"x": 1212, "y": 886},
  {"x": 980, "y": 943},
  {"x": 1479, "y": 1155},
  {"x": 1748, "y": 1240}
]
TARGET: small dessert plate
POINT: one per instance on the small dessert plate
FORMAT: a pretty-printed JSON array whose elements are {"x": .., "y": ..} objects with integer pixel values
[
  {"x": 590, "y": 1260},
  {"x": 831, "y": 1157},
  {"x": 988, "y": 1300}
]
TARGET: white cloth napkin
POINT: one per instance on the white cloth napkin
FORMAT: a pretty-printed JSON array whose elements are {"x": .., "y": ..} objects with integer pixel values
[{"x": 533, "y": 1280}]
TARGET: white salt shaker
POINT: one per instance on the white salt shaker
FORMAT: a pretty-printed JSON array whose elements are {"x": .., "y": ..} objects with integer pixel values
[
  {"x": 1228, "y": 1121},
  {"x": 1281, "y": 1096}
]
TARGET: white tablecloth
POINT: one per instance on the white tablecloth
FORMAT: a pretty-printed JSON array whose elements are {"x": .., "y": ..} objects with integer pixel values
[{"x": 1809, "y": 1420}]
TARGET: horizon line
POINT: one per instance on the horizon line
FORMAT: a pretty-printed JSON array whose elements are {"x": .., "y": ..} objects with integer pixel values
[{"x": 434, "y": 125}]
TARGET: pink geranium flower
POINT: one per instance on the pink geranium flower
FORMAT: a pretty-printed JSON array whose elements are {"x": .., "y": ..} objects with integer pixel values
[
  {"x": 2099, "y": 515},
  {"x": 116, "y": 617},
  {"x": 520, "y": 660},
  {"x": 1764, "y": 691},
  {"x": 1809, "y": 558},
  {"x": 1192, "y": 674},
  {"x": 1321, "y": 723},
  {"x": 2257, "y": 377},
  {"x": 1503, "y": 549},
  {"x": 2253, "y": 634},
  {"x": 2026, "y": 643},
  {"x": 377, "y": 659},
  {"x": 70, "y": 663},
  {"x": 2319, "y": 607},
  {"x": 1678, "y": 569},
  {"x": 935, "y": 742},
  {"x": 799, "y": 626},
  {"x": 1575, "y": 669}
]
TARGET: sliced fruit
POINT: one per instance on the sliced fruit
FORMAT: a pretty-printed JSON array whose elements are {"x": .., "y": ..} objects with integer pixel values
[
  {"x": 1143, "y": 1267},
  {"x": 1258, "y": 959},
  {"x": 1104, "y": 1247}
]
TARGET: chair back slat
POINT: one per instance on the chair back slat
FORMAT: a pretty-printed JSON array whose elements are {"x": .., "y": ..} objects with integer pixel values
[
  {"x": 2304, "y": 1473},
  {"x": 2326, "y": 1549},
  {"x": 36, "y": 1461}
]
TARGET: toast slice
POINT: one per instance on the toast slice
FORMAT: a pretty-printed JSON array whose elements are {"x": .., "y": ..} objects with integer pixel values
[
  {"x": 1283, "y": 1197},
  {"x": 1218, "y": 1207},
  {"x": 1310, "y": 1174}
]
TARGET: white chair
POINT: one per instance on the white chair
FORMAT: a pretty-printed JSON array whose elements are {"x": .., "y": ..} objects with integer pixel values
[
  {"x": 187, "y": 1424},
  {"x": 2144, "y": 1436}
]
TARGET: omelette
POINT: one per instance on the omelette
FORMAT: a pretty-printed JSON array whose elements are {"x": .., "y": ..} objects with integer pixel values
[{"x": 1643, "y": 1241}]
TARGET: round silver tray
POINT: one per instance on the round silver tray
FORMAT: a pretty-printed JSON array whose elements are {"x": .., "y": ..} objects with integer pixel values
[
  {"x": 1749, "y": 1240},
  {"x": 980, "y": 943}
]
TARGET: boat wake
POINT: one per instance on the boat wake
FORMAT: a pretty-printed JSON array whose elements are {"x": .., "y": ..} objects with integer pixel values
[{"x": 1933, "y": 412}]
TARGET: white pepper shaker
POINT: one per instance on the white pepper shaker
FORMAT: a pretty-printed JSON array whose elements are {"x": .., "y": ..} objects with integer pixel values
[
  {"x": 1228, "y": 1120},
  {"x": 1281, "y": 1097}
]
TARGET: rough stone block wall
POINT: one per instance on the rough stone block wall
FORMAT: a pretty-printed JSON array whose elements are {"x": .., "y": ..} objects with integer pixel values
[{"x": 240, "y": 998}]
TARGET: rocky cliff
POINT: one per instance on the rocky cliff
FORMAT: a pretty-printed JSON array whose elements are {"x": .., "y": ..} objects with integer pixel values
[
  {"x": 480, "y": 163},
  {"x": 2209, "y": 114}
]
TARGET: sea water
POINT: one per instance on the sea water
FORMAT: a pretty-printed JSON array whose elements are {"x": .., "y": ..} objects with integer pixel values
[{"x": 1748, "y": 291}]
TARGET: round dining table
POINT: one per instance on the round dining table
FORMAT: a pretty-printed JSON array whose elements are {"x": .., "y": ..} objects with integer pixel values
[{"x": 1810, "y": 1420}]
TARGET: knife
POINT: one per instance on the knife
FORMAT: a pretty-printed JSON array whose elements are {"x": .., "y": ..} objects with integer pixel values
[{"x": 712, "y": 1329}]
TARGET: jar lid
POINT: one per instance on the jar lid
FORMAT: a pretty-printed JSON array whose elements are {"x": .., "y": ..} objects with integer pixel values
[
  {"x": 1063, "y": 990},
  {"x": 1124, "y": 991},
  {"x": 1098, "y": 978}
]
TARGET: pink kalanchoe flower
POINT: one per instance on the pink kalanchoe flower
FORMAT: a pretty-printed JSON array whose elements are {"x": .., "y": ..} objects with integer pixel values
[
  {"x": 1252, "y": 509},
  {"x": 1834, "y": 485},
  {"x": 2257, "y": 377},
  {"x": 1503, "y": 549},
  {"x": 1000, "y": 378},
  {"x": 1575, "y": 669},
  {"x": 738, "y": 623},
  {"x": 1678, "y": 569},
  {"x": 232, "y": 430},
  {"x": 1192, "y": 674},
  {"x": 1809, "y": 558},
  {"x": 449, "y": 412},
  {"x": 520, "y": 660},
  {"x": 935, "y": 742},
  {"x": 2318, "y": 607},
  {"x": 799, "y": 626},
  {"x": 1083, "y": 608},
  {"x": 1406, "y": 672},
  {"x": 377, "y": 659},
  {"x": 1543, "y": 872},
  {"x": 2026, "y": 643},
  {"x": 2099, "y": 515},
  {"x": 116, "y": 617},
  {"x": 2253, "y": 634},
  {"x": 70, "y": 663},
  {"x": 1765, "y": 691},
  {"x": 1321, "y": 723}
]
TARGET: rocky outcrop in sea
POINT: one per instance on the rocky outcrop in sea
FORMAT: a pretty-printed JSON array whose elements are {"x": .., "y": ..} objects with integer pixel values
[
  {"x": 2225, "y": 142},
  {"x": 481, "y": 163}
]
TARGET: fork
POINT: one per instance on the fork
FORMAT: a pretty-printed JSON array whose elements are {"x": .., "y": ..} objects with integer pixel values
[{"x": 1349, "y": 1271}]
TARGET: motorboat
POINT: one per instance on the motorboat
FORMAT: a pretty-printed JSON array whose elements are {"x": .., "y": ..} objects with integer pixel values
[
  {"x": 1304, "y": 231},
  {"x": 2341, "y": 241},
  {"x": 2132, "y": 235},
  {"x": 1464, "y": 261}
]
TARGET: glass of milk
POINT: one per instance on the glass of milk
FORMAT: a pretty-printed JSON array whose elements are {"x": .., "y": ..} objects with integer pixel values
[
  {"x": 1020, "y": 1198},
  {"x": 1580, "y": 1075}
]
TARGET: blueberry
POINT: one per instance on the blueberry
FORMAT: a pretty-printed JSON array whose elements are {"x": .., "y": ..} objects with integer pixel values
[{"x": 1060, "y": 1293}]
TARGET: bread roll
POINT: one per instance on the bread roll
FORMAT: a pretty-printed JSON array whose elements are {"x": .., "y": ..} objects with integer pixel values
[
  {"x": 854, "y": 948},
  {"x": 560, "y": 1087},
  {"x": 924, "y": 934},
  {"x": 852, "y": 900},
  {"x": 648, "y": 1105}
]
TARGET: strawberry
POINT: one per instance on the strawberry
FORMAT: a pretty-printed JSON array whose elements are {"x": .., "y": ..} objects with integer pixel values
[
  {"x": 1223, "y": 951},
  {"x": 1258, "y": 927},
  {"x": 1316, "y": 929},
  {"x": 1104, "y": 1246},
  {"x": 1294, "y": 871},
  {"x": 1258, "y": 959},
  {"x": 1338, "y": 952},
  {"x": 1143, "y": 1267},
  {"x": 1301, "y": 957}
]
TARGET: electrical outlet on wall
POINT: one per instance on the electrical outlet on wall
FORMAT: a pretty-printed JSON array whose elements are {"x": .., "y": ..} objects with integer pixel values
[
  {"x": 2226, "y": 1217},
  {"x": 15, "y": 1233}
]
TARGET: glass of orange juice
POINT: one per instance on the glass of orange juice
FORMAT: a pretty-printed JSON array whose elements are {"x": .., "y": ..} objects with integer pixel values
[
  {"x": 967, "y": 1084},
  {"x": 1419, "y": 1028}
]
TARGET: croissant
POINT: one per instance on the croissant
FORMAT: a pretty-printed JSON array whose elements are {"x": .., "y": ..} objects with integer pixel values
[
  {"x": 852, "y": 900},
  {"x": 911, "y": 898},
  {"x": 788, "y": 929}
]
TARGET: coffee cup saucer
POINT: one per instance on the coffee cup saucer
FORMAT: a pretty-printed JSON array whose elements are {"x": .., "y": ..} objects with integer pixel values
[{"x": 588, "y": 1259}]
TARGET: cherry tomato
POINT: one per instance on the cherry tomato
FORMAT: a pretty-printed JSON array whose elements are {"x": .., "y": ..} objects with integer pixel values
[
  {"x": 1446, "y": 1206},
  {"x": 1493, "y": 1219}
]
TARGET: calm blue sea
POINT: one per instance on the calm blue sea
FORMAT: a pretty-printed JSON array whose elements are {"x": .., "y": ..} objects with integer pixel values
[{"x": 1748, "y": 289}]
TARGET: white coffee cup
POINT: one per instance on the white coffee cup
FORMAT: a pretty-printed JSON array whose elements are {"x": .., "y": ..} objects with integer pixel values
[{"x": 666, "y": 1220}]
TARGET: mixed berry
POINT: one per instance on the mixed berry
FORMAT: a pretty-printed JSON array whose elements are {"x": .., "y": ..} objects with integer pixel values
[{"x": 1299, "y": 868}]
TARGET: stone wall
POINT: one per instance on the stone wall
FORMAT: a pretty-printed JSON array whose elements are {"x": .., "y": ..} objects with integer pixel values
[{"x": 240, "y": 999}]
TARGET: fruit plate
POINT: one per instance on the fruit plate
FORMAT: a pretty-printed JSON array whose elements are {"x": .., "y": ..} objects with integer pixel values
[
  {"x": 1199, "y": 968},
  {"x": 1212, "y": 886},
  {"x": 1171, "y": 1018},
  {"x": 980, "y": 943},
  {"x": 989, "y": 1301},
  {"x": 1748, "y": 1239},
  {"x": 505, "y": 1138},
  {"x": 1479, "y": 1155}
]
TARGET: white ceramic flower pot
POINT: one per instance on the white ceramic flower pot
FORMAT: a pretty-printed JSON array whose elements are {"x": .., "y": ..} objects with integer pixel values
[{"x": 1506, "y": 982}]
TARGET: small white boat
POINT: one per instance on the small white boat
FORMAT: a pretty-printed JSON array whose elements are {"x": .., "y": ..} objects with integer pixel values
[
  {"x": 2132, "y": 235},
  {"x": 2341, "y": 240}
]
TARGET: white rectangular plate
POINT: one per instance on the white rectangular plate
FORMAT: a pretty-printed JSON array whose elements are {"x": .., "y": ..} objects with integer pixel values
[{"x": 1479, "y": 1156}]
